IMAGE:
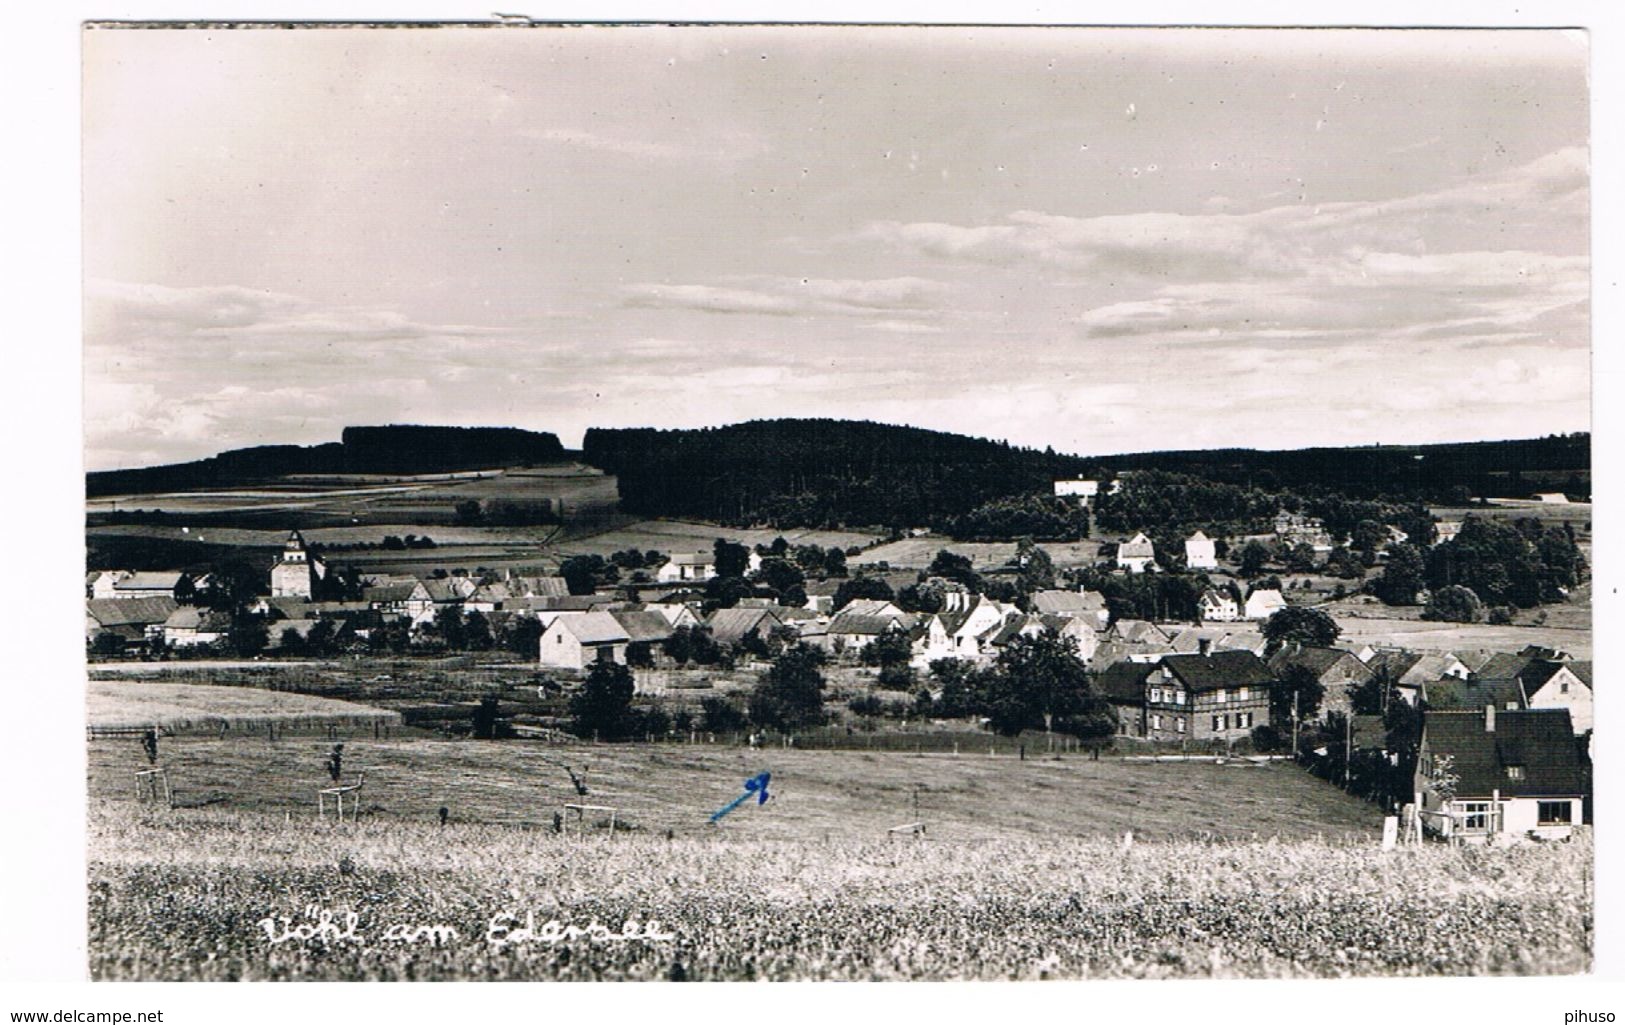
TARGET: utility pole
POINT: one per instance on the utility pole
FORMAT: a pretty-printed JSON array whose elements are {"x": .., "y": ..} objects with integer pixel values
[
  {"x": 1348, "y": 745},
  {"x": 1294, "y": 724}
]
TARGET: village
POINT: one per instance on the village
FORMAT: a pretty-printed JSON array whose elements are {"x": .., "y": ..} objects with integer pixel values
[{"x": 1472, "y": 744}]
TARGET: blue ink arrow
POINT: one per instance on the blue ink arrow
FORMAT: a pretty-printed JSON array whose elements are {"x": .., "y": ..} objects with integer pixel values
[{"x": 755, "y": 785}]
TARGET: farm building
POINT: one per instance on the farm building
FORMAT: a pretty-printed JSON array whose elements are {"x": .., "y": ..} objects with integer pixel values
[
  {"x": 576, "y": 640},
  {"x": 132, "y": 619},
  {"x": 191, "y": 627},
  {"x": 700, "y": 566},
  {"x": 1263, "y": 603},
  {"x": 1200, "y": 552},
  {"x": 1137, "y": 554},
  {"x": 1221, "y": 696},
  {"x": 297, "y": 572},
  {"x": 1553, "y": 684},
  {"x": 1489, "y": 772},
  {"x": 1080, "y": 488},
  {"x": 1335, "y": 670},
  {"x": 1414, "y": 674},
  {"x": 1216, "y": 606},
  {"x": 1138, "y": 631},
  {"x": 1086, "y": 605},
  {"x": 732, "y": 626},
  {"x": 123, "y": 583}
]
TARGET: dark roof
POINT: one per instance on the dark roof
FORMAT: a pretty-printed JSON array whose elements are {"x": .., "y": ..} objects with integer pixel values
[
  {"x": 1539, "y": 739},
  {"x": 848, "y": 623},
  {"x": 1220, "y": 669},
  {"x": 1320, "y": 661},
  {"x": 1368, "y": 732},
  {"x": 112, "y": 612},
  {"x": 1073, "y": 602},
  {"x": 1124, "y": 682},
  {"x": 729, "y": 626},
  {"x": 643, "y": 627},
  {"x": 1503, "y": 666},
  {"x": 1538, "y": 671},
  {"x": 1474, "y": 693}
]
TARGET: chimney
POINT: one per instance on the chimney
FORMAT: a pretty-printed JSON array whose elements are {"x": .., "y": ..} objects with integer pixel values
[
  {"x": 1489, "y": 718},
  {"x": 1204, "y": 645}
]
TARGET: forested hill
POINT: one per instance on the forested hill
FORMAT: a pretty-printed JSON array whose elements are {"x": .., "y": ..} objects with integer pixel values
[
  {"x": 396, "y": 448},
  {"x": 1441, "y": 473},
  {"x": 833, "y": 472},
  {"x": 817, "y": 472}
]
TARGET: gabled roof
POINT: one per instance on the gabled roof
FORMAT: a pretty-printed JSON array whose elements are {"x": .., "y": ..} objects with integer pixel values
[
  {"x": 850, "y": 623},
  {"x": 111, "y": 612},
  {"x": 1124, "y": 682},
  {"x": 1220, "y": 669},
  {"x": 1503, "y": 666},
  {"x": 579, "y": 602},
  {"x": 1068, "y": 602},
  {"x": 539, "y": 587},
  {"x": 643, "y": 627},
  {"x": 1139, "y": 630},
  {"x": 730, "y": 626},
  {"x": 190, "y": 617},
  {"x": 871, "y": 607},
  {"x": 1197, "y": 537},
  {"x": 593, "y": 628},
  {"x": 693, "y": 559},
  {"x": 1319, "y": 661},
  {"x": 144, "y": 581},
  {"x": 1539, "y": 671},
  {"x": 1541, "y": 740},
  {"x": 443, "y": 591},
  {"x": 1137, "y": 547},
  {"x": 1214, "y": 596}
]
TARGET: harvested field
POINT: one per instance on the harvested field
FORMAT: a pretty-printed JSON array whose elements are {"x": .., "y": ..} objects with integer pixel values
[{"x": 195, "y": 708}]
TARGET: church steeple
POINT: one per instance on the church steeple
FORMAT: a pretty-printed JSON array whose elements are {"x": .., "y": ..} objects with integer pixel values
[{"x": 293, "y": 549}]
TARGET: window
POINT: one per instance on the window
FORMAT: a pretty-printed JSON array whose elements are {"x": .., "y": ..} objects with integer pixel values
[
  {"x": 1156, "y": 694},
  {"x": 1220, "y": 695},
  {"x": 1563, "y": 688},
  {"x": 1241, "y": 693},
  {"x": 1218, "y": 723},
  {"x": 1244, "y": 720},
  {"x": 1179, "y": 724},
  {"x": 1475, "y": 816},
  {"x": 1514, "y": 772},
  {"x": 1556, "y": 813},
  {"x": 1156, "y": 722}
]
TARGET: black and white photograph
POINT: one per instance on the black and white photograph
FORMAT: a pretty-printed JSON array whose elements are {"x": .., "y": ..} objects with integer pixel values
[{"x": 663, "y": 502}]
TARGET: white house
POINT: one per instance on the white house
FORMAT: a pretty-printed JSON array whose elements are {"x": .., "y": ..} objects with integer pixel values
[
  {"x": 1551, "y": 684},
  {"x": 1216, "y": 606},
  {"x": 697, "y": 566},
  {"x": 1136, "y": 554},
  {"x": 1200, "y": 552},
  {"x": 1088, "y": 606},
  {"x": 575, "y": 640},
  {"x": 1491, "y": 772},
  {"x": 1263, "y": 603},
  {"x": 192, "y": 627},
  {"x": 1080, "y": 488}
]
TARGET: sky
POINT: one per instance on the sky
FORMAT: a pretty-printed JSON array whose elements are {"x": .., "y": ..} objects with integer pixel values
[{"x": 1097, "y": 240}]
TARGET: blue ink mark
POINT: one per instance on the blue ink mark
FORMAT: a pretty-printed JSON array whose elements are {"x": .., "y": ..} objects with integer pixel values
[{"x": 757, "y": 785}]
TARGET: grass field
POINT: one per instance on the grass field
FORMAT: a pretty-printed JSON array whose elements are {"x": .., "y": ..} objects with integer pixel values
[
  {"x": 917, "y": 552},
  {"x": 221, "y": 895},
  {"x": 853, "y": 795},
  {"x": 186, "y": 707},
  {"x": 1421, "y": 635}
]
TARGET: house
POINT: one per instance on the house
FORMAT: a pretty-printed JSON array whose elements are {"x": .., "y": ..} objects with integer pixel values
[
  {"x": 1216, "y": 606},
  {"x": 647, "y": 628},
  {"x": 1446, "y": 530},
  {"x": 1085, "y": 605},
  {"x": 1200, "y": 552},
  {"x": 1123, "y": 685},
  {"x": 1414, "y": 674},
  {"x": 733, "y": 626},
  {"x": 965, "y": 627},
  {"x": 1337, "y": 671},
  {"x": 192, "y": 627},
  {"x": 1221, "y": 696},
  {"x": 578, "y": 639},
  {"x": 1136, "y": 555},
  {"x": 392, "y": 598},
  {"x": 875, "y": 607},
  {"x": 1080, "y": 489},
  {"x": 699, "y": 566},
  {"x": 297, "y": 573},
  {"x": 1263, "y": 603},
  {"x": 1488, "y": 772},
  {"x": 1556, "y": 684},
  {"x": 851, "y": 632},
  {"x": 1138, "y": 631},
  {"x": 488, "y": 598},
  {"x": 123, "y": 583},
  {"x": 132, "y": 619}
]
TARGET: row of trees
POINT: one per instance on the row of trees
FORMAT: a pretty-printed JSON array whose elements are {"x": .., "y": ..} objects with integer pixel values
[{"x": 1521, "y": 564}]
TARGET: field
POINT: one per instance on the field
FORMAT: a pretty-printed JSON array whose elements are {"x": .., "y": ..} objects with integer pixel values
[
  {"x": 849, "y": 795},
  {"x": 917, "y": 552},
  {"x": 219, "y": 895},
  {"x": 683, "y": 536},
  {"x": 184, "y": 707},
  {"x": 1421, "y": 635}
]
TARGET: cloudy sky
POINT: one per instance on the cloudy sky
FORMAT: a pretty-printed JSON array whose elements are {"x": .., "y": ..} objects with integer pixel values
[{"x": 1100, "y": 240}]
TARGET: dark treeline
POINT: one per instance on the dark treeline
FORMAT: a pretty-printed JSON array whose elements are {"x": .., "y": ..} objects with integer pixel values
[
  {"x": 393, "y": 449},
  {"x": 1446, "y": 473},
  {"x": 818, "y": 473}
]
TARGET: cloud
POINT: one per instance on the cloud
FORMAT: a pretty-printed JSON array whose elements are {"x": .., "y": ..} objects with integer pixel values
[{"x": 887, "y": 298}]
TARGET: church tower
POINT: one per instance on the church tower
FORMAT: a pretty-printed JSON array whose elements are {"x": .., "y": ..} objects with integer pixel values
[{"x": 296, "y": 572}]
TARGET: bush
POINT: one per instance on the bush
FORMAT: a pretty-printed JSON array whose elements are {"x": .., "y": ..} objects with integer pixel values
[
  {"x": 1501, "y": 615},
  {"x": 719, "y": 715},
  {"x": 1454, "y": 604}
]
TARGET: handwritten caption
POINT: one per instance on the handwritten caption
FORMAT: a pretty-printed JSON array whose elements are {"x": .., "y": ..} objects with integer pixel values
[{"x": 503, "y": 929}]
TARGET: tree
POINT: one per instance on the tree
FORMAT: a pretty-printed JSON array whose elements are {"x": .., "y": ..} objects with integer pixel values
[
  {"x": 469, "y": 513},
  {"x": 719, "y": 715},
  {"x": 956, "y": 688},
  {"x": 1252, "y": 557},
  {"x": 1037, "y": 569},
  {"x": 485, "y": 718},
  {"x": 1454, "y": 604},
  {"x": 1368, "y": 536},
  {"x": 731, "y": 559},
  {"x": 580, "y": 574},
  {"x": 1036, "y": 681},
  {"x": 477, "y": 631},
  {"x": 1295, "y": 681},
  {"x": 603, "y": 706},
  {"x": 450, "y": 627},
  {"x": 725, "y": 592},
  {"x": 957, "y": 568},
  {"x": 835, "y": 562},
  {"x": 521, "y": 635},
  {"x": 107, "y": 643},
  {"x": 1299, "y": 624},
  {"x": 396, "y": 637},
  {"x": 1402, "y": 577},
  {"x": 889, "y": 649},
  {"x": 786, "y": 580},
  {"x": 247, "y": 636},
  {"x": 791, "y": 693},
  {"x": 862, "y": 587},
  {"x": 1301, "y": 558}
]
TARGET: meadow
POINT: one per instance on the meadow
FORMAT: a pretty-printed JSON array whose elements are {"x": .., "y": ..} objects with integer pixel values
[
  {"x": 917, "y": 552},
  {"x": 187, "y": 707},
  {"x": 221, "y": 895}
]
